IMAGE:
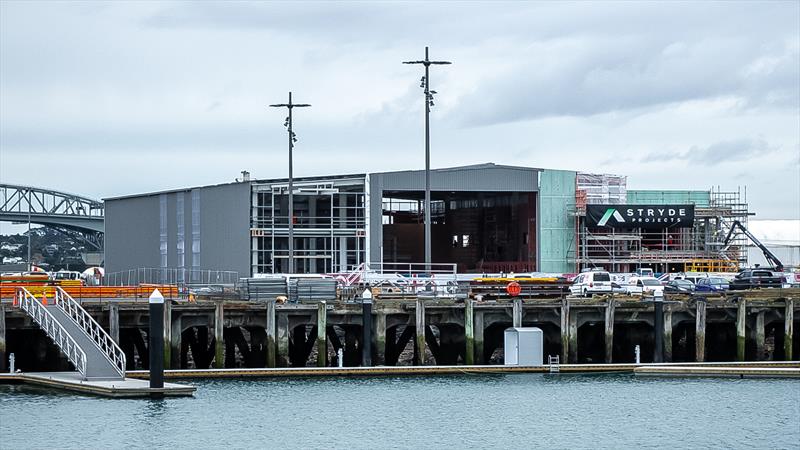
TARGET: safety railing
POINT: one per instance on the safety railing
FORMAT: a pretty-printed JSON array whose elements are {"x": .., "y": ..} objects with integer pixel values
[
  {"x": 56, "y": 332},
  {"x": 96, "y": 333}
]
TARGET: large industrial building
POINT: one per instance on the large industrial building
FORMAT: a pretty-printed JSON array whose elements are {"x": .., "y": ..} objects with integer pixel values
[{"x": 484, "y": 218}]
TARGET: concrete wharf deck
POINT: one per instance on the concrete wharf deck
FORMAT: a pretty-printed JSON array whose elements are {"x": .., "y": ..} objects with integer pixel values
[
  {"x": 221, "y": 333},
  {"x": 72, "y": 381}
]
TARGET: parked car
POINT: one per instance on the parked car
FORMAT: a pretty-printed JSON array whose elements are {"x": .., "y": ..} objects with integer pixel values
[
  {"x": 679, "y": 287},
  {"x": 644, "y": 285},
  {"x": 644, "y": 272},
  {"x": 711, "y": 284},
  {"x": 756, "y": 278},
  {"x": 791, "y": 279},
  {"x": 590, "y": 283}
]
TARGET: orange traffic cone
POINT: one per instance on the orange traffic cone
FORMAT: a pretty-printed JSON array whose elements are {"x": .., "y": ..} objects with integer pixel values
[
  {"x": 44, "y": 298},
  {"x": 15, "y": 303}
]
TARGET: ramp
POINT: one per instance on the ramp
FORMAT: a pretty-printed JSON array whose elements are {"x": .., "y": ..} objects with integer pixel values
[{"x": 95, "y": 355}]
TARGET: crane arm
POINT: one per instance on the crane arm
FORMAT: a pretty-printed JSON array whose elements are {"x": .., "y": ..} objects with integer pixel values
[{"x": 770, "y": 257}]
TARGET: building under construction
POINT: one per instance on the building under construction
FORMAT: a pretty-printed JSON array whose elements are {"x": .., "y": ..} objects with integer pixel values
[{"x": 484, "y": 218}]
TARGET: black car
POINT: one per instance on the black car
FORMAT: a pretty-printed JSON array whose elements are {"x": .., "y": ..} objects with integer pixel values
[
  {"x": 679, "y": 287},
  {"x": 756, "y": 278}
]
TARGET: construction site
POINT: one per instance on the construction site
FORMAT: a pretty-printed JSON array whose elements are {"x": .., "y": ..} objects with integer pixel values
[{"x": 484, "y": 219}]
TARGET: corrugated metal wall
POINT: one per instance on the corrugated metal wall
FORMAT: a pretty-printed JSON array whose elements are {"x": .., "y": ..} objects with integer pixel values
[
  {"x": 557, "y": 221},
  {"x": 653, "y": 197},
  {"x": 216, "y": 229}
]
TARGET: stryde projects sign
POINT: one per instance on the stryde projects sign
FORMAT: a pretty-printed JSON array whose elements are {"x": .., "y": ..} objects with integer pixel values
[{"x": 640, "y": 216}]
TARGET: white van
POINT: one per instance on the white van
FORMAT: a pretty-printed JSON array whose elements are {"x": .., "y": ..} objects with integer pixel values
[
  {"x": 590, "y": 283},
  {"x": 644, "y": 285}
]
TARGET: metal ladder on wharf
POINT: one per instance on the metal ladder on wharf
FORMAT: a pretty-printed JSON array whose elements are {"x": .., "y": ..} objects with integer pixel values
[
  {"x": 79, "y": 337},
  {"x": 553, "y": 363}
]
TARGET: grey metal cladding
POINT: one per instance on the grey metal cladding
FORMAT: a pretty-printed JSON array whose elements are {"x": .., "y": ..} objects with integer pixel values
[
  {"x": 132, "y": 233},
  {"x": 225, "y": 227},
  {"x": 478, "y": 178}
]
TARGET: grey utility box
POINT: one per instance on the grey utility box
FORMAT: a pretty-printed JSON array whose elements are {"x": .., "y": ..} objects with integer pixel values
[{"x": 524, "y": 347}]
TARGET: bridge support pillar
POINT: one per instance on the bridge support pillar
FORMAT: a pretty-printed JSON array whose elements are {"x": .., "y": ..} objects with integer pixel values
[
  {"x": 380, "y": 338},
  {"x": 219, "y": 343},
  {"x": 700, "y": 331},
  {"x": 760, "y": 336},
  {"x": 469, "y": 332},
  {"x": 478, "y": 329},
  {"x": 322, "y": 335},
  {"x": 609, "y": 337},
  {"x": 3, "y": 362},
  {"x": 420, "y": 329},
  {"x": 741, "y": 329},
  {"x": 788, "y": 329},
  {"x": 113, "y": 321},
  {"x": 271, "y": 348}
]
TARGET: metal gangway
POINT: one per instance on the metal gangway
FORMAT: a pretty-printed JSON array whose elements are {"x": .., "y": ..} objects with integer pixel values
[{"x": 82, "y": 340}]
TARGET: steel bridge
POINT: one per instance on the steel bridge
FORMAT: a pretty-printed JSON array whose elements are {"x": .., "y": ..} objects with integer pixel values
[{"x": 71, "y": 214}]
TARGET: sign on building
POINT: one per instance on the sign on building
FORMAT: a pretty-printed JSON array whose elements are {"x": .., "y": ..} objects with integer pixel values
[{"x": 640, "y": 216}]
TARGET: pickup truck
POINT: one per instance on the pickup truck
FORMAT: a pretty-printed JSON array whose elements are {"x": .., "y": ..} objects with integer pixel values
[{"x": 756, "y": 278}]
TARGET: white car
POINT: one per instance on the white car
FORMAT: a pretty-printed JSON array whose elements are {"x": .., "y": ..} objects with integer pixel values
[
  {"x": 645, "y": 285},
  {"x": 590, "y": 283}
]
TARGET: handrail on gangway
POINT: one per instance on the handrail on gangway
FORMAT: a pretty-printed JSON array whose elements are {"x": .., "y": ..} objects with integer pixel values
[
  {"x": 39, "y": 313},
  {"x": 96, "y": 333}
]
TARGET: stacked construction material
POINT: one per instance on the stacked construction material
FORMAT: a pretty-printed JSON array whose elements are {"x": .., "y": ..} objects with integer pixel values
[
  {"x": 312, "y": 289},
  {"x": 262, "y": 289}
]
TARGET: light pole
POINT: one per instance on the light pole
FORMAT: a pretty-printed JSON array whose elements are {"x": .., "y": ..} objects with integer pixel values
[
  {"x": 30, "y": 266},
  {"x": 428, "y": 103},
  {"x": 292, "y": 140}
]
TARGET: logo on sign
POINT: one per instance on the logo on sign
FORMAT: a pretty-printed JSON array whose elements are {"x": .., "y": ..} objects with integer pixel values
[{"x": 610, "y": 212}]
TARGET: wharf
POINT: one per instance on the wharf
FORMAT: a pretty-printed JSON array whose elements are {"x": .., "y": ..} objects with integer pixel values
[
  {"x": 718, "y": 372},
  {"x": 382, "y": 371},
  {"x": 72, "y": 381}
]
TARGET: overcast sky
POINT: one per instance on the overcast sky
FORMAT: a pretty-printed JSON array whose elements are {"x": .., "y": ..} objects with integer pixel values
[{"x": 108, "y": 99}]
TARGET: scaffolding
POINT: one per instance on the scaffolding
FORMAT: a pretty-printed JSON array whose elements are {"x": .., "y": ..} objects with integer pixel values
[
  {"x": 329, "y": 226},
  {"x": 699, "y": 248}
]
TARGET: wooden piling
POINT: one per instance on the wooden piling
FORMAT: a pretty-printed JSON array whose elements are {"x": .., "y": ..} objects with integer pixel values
[
  {"x": 741, "y": 329},
  {"x": 219, "y": 343},
  {"x": 564, "y": 329},
  {"x": 175, "y": 342},
  {"x": 573, "y": 337},
  {"x": 760, "y": 336},
  {"x": 469, "y": 332},
  {"x": 609, "y": 335},
  {"x": 168, "y": 334},
  {"x": 282, "y": 327},
  {"x": 322, "y": 338},
  {"x": 3, "y": 357},
  {"x": 113, "y": 321},
  {"x": 788, "y": 329},
  {"x": 420, "y": 328},
  {"x": 478, "y": 333},
  {"x": 700, "y": 331},
  {"x": 270, "y": 333},
  {"x": 667, "y": 333},
  {"x": 516, "y": 313},
  {"x": 380, "y": 338}
]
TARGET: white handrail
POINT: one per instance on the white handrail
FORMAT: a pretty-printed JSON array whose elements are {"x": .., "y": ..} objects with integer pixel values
[
  {"x": 92, "y": 329},
  {"x": 52, "y": 328}
]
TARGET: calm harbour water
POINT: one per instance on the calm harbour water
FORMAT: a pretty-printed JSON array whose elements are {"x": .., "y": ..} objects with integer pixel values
[{"x": 500, "y": 411}]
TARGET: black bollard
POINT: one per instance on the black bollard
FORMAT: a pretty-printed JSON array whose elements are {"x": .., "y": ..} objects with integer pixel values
[
  {"x": 366, "y": 320},
  {"x": 156, "y": 336},
  {"x": 658, "y": 324}
]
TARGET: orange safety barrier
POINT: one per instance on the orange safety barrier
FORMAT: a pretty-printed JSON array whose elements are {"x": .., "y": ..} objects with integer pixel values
[{"x": 8, "y": 290}]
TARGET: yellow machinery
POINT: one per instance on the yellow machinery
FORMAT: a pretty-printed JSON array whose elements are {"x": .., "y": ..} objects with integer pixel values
[{"x": 710, "y": 265}]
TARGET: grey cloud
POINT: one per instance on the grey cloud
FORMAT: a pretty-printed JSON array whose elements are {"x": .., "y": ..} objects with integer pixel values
[{"x": 720, "y": 152}]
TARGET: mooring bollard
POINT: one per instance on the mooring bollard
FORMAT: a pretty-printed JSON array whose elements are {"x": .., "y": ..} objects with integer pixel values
[
  {"x": 11, "y": 363},
  {"x": 638, "y": 352},
  {"x": 366, "y": 321},
  {"x": 156, "y": 337}
]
